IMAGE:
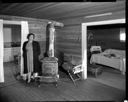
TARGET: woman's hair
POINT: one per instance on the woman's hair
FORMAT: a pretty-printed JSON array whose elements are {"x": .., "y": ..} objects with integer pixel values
[{"x": 30, "y": 35}]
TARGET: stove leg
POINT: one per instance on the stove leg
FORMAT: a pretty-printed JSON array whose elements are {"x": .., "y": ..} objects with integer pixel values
[
  {"x": 56, "y": 84},
  {"x": 37, "y": 80}
]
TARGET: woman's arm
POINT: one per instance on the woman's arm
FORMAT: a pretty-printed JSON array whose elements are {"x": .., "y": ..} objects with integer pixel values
[
  {"x": 38, "y": 47},
  {"x": 23, "y": 48}
]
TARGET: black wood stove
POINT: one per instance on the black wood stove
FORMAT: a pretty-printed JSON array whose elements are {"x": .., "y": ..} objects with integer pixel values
[{"x": 50, "y": 63}]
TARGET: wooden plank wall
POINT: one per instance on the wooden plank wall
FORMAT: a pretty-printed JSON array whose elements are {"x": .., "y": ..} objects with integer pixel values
[
  {"x": 39, "y": 29},
  {"x": 68, "y": 41},
  {"x": 36, "y": 26},
  {"x": 68, "y": 38}
]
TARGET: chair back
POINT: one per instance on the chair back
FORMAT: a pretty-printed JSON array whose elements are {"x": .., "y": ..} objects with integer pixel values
[{"x": 77, "y": 69}]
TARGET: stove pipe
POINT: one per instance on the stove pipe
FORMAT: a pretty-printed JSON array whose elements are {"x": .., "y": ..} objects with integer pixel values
[{"x": 50, "y": 37}]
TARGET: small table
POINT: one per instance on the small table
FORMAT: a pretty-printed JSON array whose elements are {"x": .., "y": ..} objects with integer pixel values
[{"x": 95, "y": 69}]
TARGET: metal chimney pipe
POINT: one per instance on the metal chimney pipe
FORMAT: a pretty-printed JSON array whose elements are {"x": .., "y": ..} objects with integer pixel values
[
  {"x": 51, "y": 40},
  {"x": 51, "y": 37}
]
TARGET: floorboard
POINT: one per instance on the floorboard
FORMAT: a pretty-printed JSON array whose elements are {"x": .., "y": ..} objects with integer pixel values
[{"x": 86, "y": 90}]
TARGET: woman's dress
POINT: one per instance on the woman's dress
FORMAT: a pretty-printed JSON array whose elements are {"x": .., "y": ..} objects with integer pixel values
[{"x": 29, "y": 50}]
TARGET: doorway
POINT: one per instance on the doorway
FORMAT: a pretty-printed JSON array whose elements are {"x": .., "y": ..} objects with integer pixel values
[
  {"x": 84, "y": 39},
  {"x": 12, "y": 46},
  {"x": 24, "y": 31}
]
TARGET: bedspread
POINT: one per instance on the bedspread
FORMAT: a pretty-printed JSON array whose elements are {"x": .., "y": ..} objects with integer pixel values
[{"x": 106, "y": 59}]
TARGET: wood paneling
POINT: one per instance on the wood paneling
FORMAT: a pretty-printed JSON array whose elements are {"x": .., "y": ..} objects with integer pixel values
[
  {"x": 31, "y": 20},
  {"x": 102, "y": 8},
  {"x": 38, "y": 11},
  {"x": 35, "y": 7},
  {"x": 69, "y": 37},
  {"x": 36, "y": 26},
  {"x": 81, "y": 19},
  {"x": 58, "y": 11}
]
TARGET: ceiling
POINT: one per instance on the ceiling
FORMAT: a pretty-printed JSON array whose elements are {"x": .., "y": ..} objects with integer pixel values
[{"x": 55, "y": 10}]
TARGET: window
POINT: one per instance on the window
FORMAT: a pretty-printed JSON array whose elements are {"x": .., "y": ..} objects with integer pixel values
[{"x": 122, "y": 35}]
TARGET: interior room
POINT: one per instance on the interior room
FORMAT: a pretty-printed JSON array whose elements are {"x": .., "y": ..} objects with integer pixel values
[
  {"x": 81, "y": 51},
  {"x": 12, "y": 39},
  {"x": 12, "y": 46},
  {"x": 100, "y": 36}
]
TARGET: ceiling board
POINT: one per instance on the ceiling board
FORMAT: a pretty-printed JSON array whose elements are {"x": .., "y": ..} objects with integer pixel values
[
  {"x": 3, "y": 5},
  {"x": 63, "y": 9},
  {"x": 34, "y": 8},
  {"x": 40, "y": 10},
  {"x": 110, "y": 7},
  {"x": 8, "y": 7},
  {"x": 58, "y": 10}
]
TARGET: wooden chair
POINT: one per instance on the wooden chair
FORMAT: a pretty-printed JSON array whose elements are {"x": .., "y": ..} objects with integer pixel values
[
  {"x": 95, "y": 50},
  {"x": 92, "y": 67},
  {"x": 73, "y": 71}
]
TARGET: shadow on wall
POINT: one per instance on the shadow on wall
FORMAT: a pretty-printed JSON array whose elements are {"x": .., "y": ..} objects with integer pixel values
[{"x": 60, "y": 56}]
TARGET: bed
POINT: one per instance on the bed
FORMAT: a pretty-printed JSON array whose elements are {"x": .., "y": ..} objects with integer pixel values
[{"x": 111, "y": 57}]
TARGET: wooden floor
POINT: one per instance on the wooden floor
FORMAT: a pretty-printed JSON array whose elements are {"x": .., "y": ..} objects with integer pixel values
[
  {"x": 87, "y": 90},
  {"x": 111, "y": 77}
]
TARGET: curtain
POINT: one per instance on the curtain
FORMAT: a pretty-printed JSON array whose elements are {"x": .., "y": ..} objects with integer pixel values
[
  {"x": 1, "y": 52},
  {"x": 24, "y": 33}
]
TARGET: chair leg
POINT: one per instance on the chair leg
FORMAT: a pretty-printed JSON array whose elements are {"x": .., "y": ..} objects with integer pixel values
[
  {"x": 79, "y": 76},
  {"x": 72, "y": 78}
]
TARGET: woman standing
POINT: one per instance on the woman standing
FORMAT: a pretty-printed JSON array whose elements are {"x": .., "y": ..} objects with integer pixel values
[{"x": 31, "y": 52}]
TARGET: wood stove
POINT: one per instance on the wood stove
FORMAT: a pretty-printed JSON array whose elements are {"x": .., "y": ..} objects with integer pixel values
[
  {"x": 50, "y": 70},
  {"x": 50, "y": 63}
]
